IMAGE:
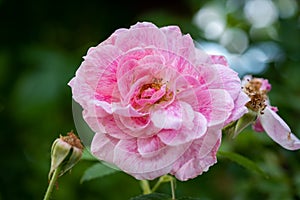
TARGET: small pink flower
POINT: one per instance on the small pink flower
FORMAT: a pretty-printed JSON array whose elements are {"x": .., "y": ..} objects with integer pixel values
[
  {"x": 156, "y": 103},
  {"x": 268, "y": 120}
]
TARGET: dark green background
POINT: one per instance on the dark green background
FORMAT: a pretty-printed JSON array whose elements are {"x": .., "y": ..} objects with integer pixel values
[{"x": 41, "y": 46}]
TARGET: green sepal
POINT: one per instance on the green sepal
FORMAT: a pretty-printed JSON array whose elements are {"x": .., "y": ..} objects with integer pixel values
[
  {"x": 236, "y": 127},
  {"x": 244, "y": 121}
]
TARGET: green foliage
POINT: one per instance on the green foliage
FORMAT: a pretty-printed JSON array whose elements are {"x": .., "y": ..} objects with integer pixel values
[
  {"x": 97, "y": 170},
  {"x": 86, "y": 155},
  {"x": 243, "y": 161}
]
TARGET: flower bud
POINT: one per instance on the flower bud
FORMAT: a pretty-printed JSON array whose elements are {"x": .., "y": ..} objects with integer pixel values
[{"x": 66, "y": 151}]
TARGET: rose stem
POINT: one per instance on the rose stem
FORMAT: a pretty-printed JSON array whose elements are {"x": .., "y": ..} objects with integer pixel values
[
  {"x": 145, "y": 186},
  {"x": 52, "y": 183},
  {"x": 172, "y": 188}
]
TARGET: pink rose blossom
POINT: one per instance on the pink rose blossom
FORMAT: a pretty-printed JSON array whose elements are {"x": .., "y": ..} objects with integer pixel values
[
  {"x": 268, "y": 120},
  {"x": 156, "y": 103}
]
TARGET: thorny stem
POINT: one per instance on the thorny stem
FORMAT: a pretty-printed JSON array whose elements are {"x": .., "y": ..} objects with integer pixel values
[{"x": 52, "y": 183}]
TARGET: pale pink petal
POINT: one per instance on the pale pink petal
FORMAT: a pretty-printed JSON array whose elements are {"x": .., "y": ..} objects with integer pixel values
[
  {"x": 103, "y": 146},
  {"x": 218, "y": 59},
  {"x": 172, "y": 116},
  {"x": 127, "y": 158},
  {"x": 139, "y": 127},
  {"x": 153, "y": 174},
  {"x": 148, "y": 147},
  {"x": 181, "y": 45},
  {"x": 127, "y": 111},
  {"x": 278, "y": 130},
  {"x": 239, "y": 109},
  {"x": 186, "y": 133},
  {"x": 221, "y": 77},
  {"x": 199, "y": 157},
  {"x": 141, "y": 35},
  {"x": 93, "y": 113},
  {"x": 113, "y": 128},
  {"x": 215, "y": 104}
]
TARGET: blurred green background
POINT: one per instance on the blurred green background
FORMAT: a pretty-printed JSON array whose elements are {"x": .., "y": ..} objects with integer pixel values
[{"x": 42, "y": 44}]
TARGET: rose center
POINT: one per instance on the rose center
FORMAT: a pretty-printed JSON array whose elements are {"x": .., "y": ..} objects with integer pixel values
[
  {"x": 148, "y": 90},
  {"x": 151, "y": 93}
]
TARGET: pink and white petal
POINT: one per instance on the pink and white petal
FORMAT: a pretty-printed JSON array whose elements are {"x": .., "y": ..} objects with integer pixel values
[
  {"x": 223, "y": 77},
  {"x": 154, "y": 174},
  {"x": 172, "y": 116},
  {"x": 149, "y": 147},
  {"x": 113, "y": 128},
  {"x": 141, "y": 35},
  {"x": 139, "y": 127},
  {"x": 186, "y": 133},
  {"x": 92, "y": 115},
  {"x": 179, "y": 44},
  {"x": 103, "y": 146},
  {"x": 217, "y": 59},
  {"x": 278, "y": 130},
  {"x": 196, "y": 164},
  {"x": 99, "y": 66},
  {"x": 239, "y": 108},
  {"x": 100, "y": 61},
  {"x": 127, "y": 157},
  {"x": 112, "y": 39},
  {"x": 82, "y": 92},
  {"x": 127, "y": 111},
  {"x": 202, "y": 58},
  {"x": 215, "y": 104}
]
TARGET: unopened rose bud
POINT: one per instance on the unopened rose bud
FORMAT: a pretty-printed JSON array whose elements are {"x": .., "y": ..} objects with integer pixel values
[{"x": 66, "y": 151}]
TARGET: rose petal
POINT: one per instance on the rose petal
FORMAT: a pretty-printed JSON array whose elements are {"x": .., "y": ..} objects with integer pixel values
[
  {"x": 215, "y": 104},
  {"x": 186, "y": 133},
  {"x": 127, "y": 157},
  {"x": 181, "y": 45},
  {"x": 217, "y": 59},
  {"x": 148, "y": 147},
  {"x": 140, "y": 127},
  {"x": 199, "y": 157},
  {"x": 278, "y": 130},
  {"x": 170, "y": 117},
  {"x": 239, "y": 109},
  {"x": 103, "y": 147},
  {"x": 141, "y": 35},
  {"x": 221, "y": 77}
]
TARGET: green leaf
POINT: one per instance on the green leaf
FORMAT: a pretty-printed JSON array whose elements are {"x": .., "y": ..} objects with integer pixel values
[
  {"x": 86, "y": 155},
  {"x": 96, "y": 171},
  {"x": 243, "y": 161},
  {"x": 153, "y": 196},
  {"x": 188, "y": 198}
]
